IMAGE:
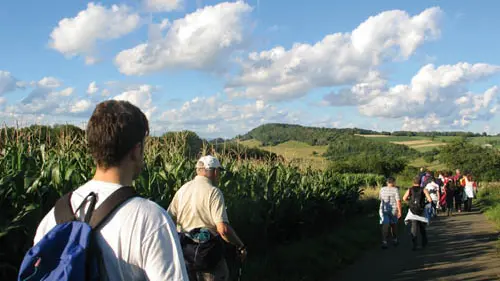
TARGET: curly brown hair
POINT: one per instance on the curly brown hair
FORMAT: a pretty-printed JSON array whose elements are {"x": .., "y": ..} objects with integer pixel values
[{"x": 114, "y": 128}]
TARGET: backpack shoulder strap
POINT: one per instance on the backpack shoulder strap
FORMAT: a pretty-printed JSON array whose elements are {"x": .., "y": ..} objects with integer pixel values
[
  {"x": 62, "y": 210},
  {"x": 111, "y": 204}
]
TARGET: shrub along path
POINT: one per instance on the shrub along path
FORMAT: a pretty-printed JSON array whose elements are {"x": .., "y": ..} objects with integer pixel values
[{"x": 461, "y": 247}]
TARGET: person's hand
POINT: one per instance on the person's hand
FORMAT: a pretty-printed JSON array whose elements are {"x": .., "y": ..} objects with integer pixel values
[
  {"x": 242, "y": 253},
  {"x": 399, "y": 215}
]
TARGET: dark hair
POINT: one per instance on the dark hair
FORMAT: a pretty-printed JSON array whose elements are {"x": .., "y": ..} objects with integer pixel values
[
  {"x": 416, "y": 180},
  {"x": 390, "y": 180},
  {"x": 113, "y": 130}
]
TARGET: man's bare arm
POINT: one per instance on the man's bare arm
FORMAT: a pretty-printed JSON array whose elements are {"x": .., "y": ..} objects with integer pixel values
[{"x": 228, "y": 234}]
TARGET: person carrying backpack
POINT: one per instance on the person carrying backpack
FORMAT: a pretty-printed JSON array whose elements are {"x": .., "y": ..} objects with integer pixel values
[
  {"x": 390, "y": 211},
  {"x": 199, "y": 210},
  {"x": 459, "y": 185},
  {"x": 449, "y": 189},
  {"x": 418, "y": 197},
  {"x": 103, "y": 230}
]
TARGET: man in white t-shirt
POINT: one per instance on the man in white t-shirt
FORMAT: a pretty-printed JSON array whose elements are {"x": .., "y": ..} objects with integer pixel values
[
  {"x": 138, "y": 241},
  {"x": 200, "y": 204}
]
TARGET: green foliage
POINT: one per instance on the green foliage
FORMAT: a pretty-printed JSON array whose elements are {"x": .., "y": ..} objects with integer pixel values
[
  {"x": 269, "y": 203},
  {"x": 320, "y": 256},
  {"x": 273, "y": 134},
  {"x": 369, "y": 163},
  {"x": 242, "y": 152},
  {"x": 435, "y": 134},
  {"x": 361, "y": 155},
  {"x": 488, "y": 199},
  {"x": 483, "y": 163},
  {"x": 343, "y": 147},
  {"x": 430, "y": 156},
  {"x": 190, "y": 142}
]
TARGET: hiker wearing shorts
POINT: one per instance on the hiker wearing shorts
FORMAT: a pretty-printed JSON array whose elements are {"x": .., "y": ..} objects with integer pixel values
[
  {"x": 390, "y": 211},
  {"x": 198, "y": 206},
  {"x": 418, "y": 197},
  {"x": 138, "y": 240}
]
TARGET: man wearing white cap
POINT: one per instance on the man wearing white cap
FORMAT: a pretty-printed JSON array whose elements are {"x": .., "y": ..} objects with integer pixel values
[{"x": 200, "y": 204}]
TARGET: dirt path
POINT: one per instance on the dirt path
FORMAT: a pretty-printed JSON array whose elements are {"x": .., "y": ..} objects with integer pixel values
[{"x": 461, "y": 247}]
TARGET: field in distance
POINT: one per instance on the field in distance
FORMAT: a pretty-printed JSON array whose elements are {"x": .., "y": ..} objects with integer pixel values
[
  {"x": 295, "y": 151},
  {"x": 423, "y": 144},
  {"x": 308, "y": 155}
]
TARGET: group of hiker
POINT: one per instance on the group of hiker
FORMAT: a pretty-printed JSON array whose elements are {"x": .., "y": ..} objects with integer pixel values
[
  {"x": 430, "y": 194},
  {"x": 103, "y": 230}
]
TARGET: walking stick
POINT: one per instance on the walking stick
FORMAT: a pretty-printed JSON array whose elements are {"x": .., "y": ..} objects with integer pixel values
[
  {"x": 240, "y": 268},
  {"x": 239, "y": 272}
]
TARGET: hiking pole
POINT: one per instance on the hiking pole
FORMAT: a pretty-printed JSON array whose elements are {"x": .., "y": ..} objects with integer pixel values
[
  {"x": 239, "y": 272},
  {"x": 240, "y": 269}
]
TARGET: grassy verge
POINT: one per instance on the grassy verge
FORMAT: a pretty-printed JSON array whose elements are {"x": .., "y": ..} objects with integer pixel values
[
  {"x": 488, "y": 200},
  {"x": 321, "y": 255}
]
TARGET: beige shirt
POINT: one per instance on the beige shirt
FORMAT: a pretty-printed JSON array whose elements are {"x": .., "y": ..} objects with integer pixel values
[{"x": 198, "y": 204}]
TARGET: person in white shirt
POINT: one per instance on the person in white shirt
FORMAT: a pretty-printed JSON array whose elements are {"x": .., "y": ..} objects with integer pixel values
[
  {"x": 470, "y": 192},
  {"x": 138, "y": 241},
  {"x": 435, "y": 194}
]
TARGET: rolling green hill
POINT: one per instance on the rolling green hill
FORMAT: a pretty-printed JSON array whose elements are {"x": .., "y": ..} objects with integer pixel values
[
  {"x": 319, "y": 147},
  {"x": 273, "y": 134}
]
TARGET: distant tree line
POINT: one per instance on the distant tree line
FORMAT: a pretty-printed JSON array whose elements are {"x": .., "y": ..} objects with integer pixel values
[
  {"x": 354, "y": 154},
  {"x": 275, "y": 133},
  {"x": 482, "y": 162}
]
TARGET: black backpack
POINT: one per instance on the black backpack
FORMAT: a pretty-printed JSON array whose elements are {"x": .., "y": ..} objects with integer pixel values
[
  {"x": 417, "y": 200},
  {"x": 449, "y": 188}
]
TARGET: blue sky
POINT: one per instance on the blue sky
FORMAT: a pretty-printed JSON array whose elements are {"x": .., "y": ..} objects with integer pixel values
[{"x": 223, "y": 68}]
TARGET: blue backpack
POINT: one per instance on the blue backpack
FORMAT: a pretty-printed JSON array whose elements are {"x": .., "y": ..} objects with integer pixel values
[{"x": 69, "y": 250}]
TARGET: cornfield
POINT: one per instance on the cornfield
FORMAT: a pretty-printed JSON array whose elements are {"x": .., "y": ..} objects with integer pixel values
[{"x": 269, "y": 202}]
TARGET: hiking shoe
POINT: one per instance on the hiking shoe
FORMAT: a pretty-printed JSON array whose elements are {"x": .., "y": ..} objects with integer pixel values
[
  {"x": 414, "y": 244},
  {"x": 384, "y": 245},
  {"x": 424, "y": 242},
  {"x": 395, "y": 242}
]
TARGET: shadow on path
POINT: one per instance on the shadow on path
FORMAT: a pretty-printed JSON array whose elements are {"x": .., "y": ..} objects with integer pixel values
[{"x": 461, "y": 247}]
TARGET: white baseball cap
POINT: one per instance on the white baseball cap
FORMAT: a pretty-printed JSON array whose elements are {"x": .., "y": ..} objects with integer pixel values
[{"x": 209, "y": 162}]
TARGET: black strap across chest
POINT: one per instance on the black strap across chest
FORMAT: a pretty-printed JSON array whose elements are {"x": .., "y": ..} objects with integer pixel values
[{"x": 94, "y": 217}]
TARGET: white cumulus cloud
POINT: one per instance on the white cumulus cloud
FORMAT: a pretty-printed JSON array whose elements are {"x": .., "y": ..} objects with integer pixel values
[
  {"x": 200, "y": 40},
  {"x": 217, "y": 117},
  {"x": 141, "y": 97},
  {"x": 79, "y": 35},
  {"x": 444, "y": 86},
  {"x": 428, "y": 123},
  {"x": 92, "y": 88},
  {"x": 163, "y": 5},
  {"x": 81, "y": 106},
  {"x": 338, "y": 59},
  {"x": 8, "y": 83},
  {"x": 49, "y": 82}
]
